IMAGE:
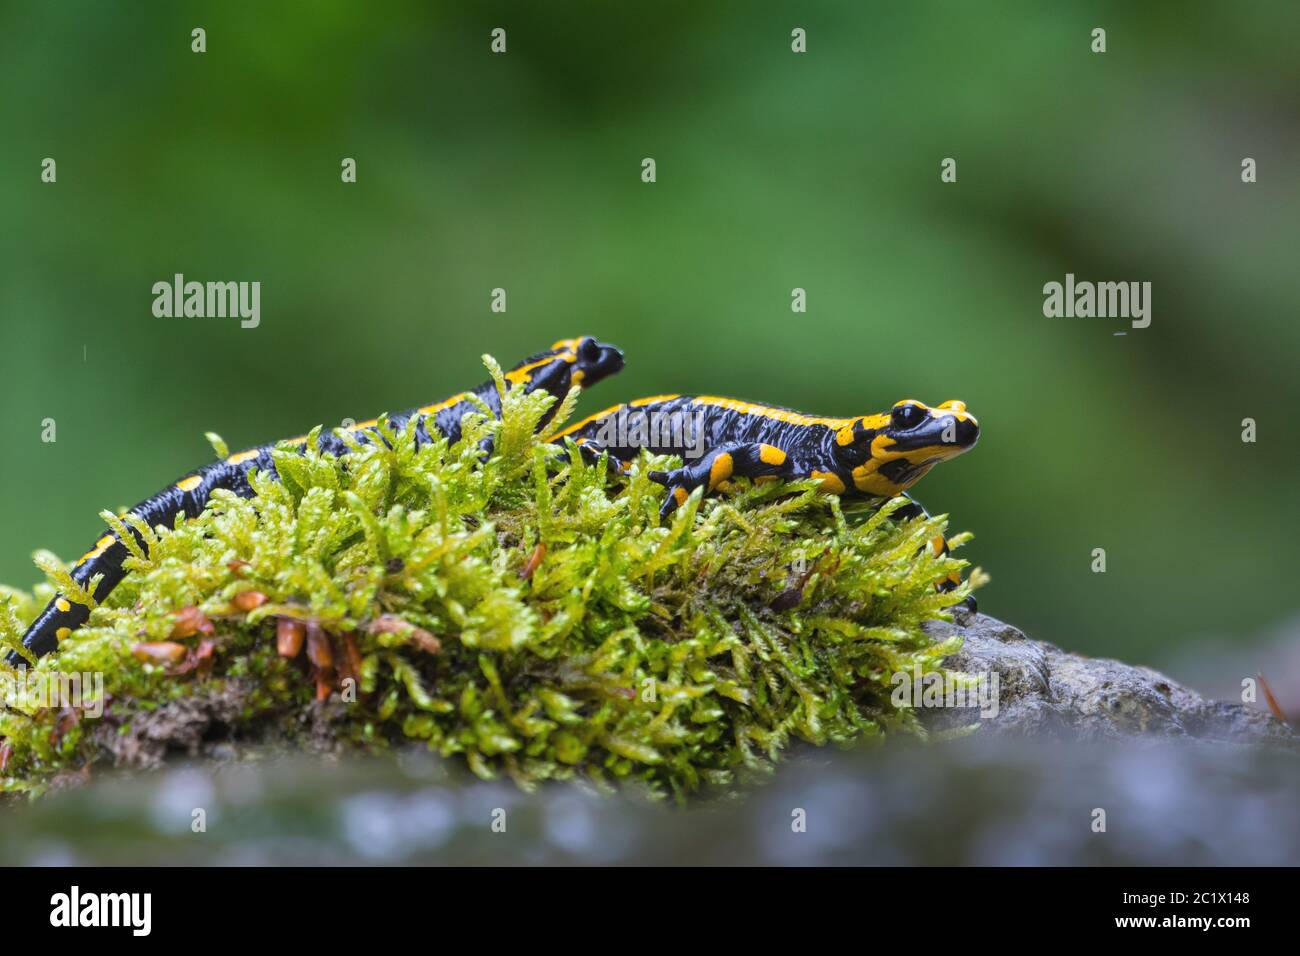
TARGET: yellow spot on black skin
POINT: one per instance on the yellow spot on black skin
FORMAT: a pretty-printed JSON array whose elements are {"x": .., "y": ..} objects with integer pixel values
[
  {"x": 831, "y": 483},
  {"x": 524, "y": 373},
  {"x": 680, "y": 495},
  {"x": 771, "y": 455},
  {"x": 867, "y": 480},
  {"x": 958, "y": 410},
  {"x": 240, "y": 457},
  {"x": 190, "y": 483},
  {"x": 102, "y": 545},
  {"x": 721, "y": 469},
  {"x": 63, "y": 605},
  {"x": 937, "y": 544},
  {"x": 62, "y": 633},
  {"x": 867, "y": 477}
]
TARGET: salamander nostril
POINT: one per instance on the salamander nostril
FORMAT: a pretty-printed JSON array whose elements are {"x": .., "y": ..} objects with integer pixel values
[{"x": 588, "y": 349}]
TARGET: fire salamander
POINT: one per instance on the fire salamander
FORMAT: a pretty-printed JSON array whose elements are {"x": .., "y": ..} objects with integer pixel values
[
  {"x": 566, "y": 363},
  {"x": 872, "y": 456}
]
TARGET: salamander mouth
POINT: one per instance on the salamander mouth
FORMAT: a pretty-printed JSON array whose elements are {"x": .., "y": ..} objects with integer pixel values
[
  {"x": 903, "y": 472},
  {"x": 942, "y": 435}
]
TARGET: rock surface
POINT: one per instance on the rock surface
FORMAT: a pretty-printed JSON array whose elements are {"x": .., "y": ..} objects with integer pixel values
[
  {"x": 1043, "y": 689},
  {"x": 1182, "y": 780}
]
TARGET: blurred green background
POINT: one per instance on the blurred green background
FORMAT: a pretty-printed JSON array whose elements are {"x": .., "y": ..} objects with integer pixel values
[{"x": 775, "y": 170}]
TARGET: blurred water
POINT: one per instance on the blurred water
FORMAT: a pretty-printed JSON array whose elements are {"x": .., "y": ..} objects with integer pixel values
[{"x": 977, "y": 801}]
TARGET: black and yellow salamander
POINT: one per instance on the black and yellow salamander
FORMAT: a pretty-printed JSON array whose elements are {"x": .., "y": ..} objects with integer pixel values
[
  {"x": 582, "y": 361},
  {"x": 871, "y": 456}
]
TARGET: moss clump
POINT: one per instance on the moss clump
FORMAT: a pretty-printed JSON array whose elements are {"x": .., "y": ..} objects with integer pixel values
[{"x": 527, "y": 612}]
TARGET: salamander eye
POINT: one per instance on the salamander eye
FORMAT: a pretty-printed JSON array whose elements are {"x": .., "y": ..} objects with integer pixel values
[
  {"x": 588, "y": 349},
  {"x": 907, "y": 416}
]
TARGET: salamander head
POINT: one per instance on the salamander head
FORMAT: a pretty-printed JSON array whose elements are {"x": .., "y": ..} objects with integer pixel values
[
  {"x": 583, "y": 361},
  {"x": 592, "y": 360},
  {"x": 889, "y": 453}
]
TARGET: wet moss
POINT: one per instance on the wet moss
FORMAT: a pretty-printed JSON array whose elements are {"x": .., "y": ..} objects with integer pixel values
[{"x": 527, "y": 613}]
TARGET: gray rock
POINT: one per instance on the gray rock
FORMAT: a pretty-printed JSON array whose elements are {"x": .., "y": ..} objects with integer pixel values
[
  {"x": 1182, "y": 780},
  {"x": 1045, "y": 690}
]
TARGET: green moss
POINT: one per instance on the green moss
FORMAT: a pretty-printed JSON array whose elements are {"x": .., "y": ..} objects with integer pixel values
[{"x": 636, "y": 649}]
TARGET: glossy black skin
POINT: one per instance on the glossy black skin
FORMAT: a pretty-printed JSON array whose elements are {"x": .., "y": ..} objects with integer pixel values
[
  {"x": 720, "y": 426},
  {"x": 809, "y": 449},
  {"x": 549, "y": 370}
]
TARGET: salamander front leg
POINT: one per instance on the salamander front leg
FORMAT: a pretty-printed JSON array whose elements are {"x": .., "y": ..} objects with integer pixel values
[
  {"x": 734, "y": 459},
  {"x": 939, "y": 545}
]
